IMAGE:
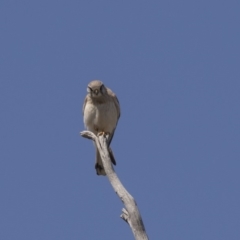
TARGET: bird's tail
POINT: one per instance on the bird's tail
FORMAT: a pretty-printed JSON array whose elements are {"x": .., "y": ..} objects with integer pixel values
[{"x": 99, "y": 166}]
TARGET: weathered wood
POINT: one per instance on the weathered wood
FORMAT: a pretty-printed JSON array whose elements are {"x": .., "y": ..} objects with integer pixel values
[{"x": 130, "y": 213}]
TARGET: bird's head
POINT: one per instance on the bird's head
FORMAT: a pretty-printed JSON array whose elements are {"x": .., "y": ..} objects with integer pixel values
[{"x": 96, "y": 89}]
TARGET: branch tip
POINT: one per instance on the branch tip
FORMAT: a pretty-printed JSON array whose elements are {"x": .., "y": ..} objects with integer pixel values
[{"x": 88, "y": 135}]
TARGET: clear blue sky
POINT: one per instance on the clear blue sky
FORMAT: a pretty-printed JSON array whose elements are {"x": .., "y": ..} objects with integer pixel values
[{"x": 175, "y": 67}]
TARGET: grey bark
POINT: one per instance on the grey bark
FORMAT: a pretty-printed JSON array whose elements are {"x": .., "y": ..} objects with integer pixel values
[{"x": 130, "y": 213}]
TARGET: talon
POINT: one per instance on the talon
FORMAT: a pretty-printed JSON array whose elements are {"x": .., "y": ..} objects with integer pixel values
[{"x": 100, "y": 134}]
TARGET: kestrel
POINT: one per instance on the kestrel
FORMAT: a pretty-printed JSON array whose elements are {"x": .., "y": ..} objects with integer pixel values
[{"x": 101, "y": 111}]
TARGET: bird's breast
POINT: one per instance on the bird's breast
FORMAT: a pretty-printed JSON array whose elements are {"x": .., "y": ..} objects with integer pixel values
[{"x": 100, "y": 117}]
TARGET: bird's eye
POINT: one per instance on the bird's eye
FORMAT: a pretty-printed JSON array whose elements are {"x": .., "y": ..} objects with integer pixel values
[{"x": 102, "y": 88}]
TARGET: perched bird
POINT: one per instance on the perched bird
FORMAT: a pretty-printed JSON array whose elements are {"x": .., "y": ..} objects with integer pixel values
[{"x": 101, "y": 111}]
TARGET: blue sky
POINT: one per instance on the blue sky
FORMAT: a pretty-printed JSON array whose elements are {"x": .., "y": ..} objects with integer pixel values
[{"x": 174, "y": 66}]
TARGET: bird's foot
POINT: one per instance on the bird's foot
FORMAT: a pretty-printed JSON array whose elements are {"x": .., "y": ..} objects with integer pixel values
[
  {"x": 104, "y": 134},
  {"x": 101, "y": 134}
]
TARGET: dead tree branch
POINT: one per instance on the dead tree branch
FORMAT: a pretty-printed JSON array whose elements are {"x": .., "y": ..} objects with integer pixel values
[{"x": 130, "y": 213}]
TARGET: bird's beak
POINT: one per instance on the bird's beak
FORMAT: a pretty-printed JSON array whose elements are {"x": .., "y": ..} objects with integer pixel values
[{"x": 96, "y": 91}]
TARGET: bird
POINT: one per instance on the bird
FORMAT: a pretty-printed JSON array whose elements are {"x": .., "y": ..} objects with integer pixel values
[{"x": 101, "y": 112}]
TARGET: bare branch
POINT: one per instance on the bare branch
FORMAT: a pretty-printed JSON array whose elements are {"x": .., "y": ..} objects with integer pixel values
[
  {"x": 130, "y": 213},
  {"x": 88, "y": 134}
]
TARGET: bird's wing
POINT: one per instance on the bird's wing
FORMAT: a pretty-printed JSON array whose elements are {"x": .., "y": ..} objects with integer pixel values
[
  {"x": 117, "y": 106},
  {"x": 115, "y": 100},
  {"x": 84, "y": 104}
]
